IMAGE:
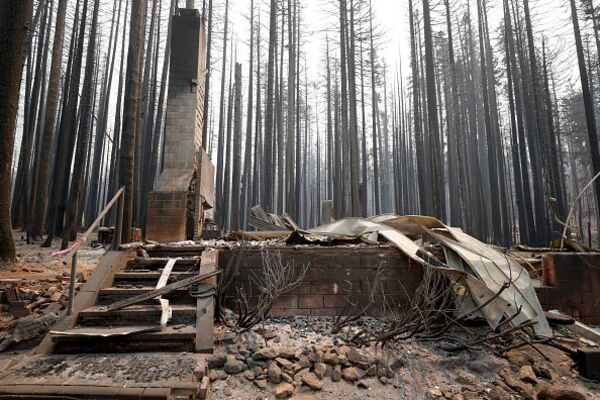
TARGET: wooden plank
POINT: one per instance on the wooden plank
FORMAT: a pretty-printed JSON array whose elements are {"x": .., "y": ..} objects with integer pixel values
[
  {"x": 166, "y": 272},
  {"x": 205, "y": 308},
  {"x": 152, "y": 275}
]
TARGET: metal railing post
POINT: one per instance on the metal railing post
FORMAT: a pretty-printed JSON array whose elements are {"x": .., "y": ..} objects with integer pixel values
[{"x": 72, "y": 283}]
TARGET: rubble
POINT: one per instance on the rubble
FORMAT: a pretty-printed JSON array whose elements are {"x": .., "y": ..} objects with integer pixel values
[
  {"x": 30, "y": 307},
  {"x": 302, "y": 358}
]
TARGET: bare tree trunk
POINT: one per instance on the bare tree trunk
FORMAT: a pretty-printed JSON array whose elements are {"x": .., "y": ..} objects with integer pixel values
[
  {"x": 590, "y": 116},
  {"x": 39, "y": 209},
  {"x": 130, "y": 111},
  {"x": 221, "y": 133},
  {"x": 237, "y": 150},
  {"x": 14, "y": 17},
  {"x": 434, "y": 129},
  {"x": 57, "y": 206},
  {"x": 207, "y": 77},
  {"x": 418, "y": 133},
  {"x": 84, "y": 129}
]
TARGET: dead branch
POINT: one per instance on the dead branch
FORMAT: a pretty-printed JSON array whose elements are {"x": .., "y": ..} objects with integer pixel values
[
  {"x": 274, "y": 279},
  {"x": 347, "y": 317},
  {"x": 225, "y": 281}
]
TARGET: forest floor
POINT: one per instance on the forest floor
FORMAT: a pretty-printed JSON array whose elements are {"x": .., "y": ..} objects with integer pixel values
[{"x": 36, "y": 262}]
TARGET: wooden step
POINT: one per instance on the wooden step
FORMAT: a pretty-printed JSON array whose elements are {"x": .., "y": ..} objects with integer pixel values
[
  {"x": 152, "y": 275},
  {"x": 149, "y": 313},
  {"x": 89, "y": 339},
  {"x": 113, "y": 294},
  {"x": 160, "y": 262}
]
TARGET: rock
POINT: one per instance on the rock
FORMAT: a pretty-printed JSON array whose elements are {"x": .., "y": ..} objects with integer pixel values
[
  {"x": 287, "y": 378},
  {"x": 249, "y": 375},
  {"x": 383, "y": 380},
  {"x": 217, "y": 374},
  {"x": 216, "y": 361},
  {"x": 372, "y": 370},
  {"x": 554, "y": 391},
  {"x": 274, "y": 373},
  {"x": 470, "y": 395},
  {"x": 312, "y": 381},
  {"x": 336, "y": 374},
  {"x": 253, "y": 363},
  {"x": 320, "y": 369},
  {"x": 286, "y": 352},
  {"x": 527, "y": 375},
  {"x": 261, "y": 383},
  {"x": 266, "y": 353},
  {"x": 545, "y": 372},
  {"x": 233, "y": 366},
  {"x": 299, "y": 375},
  {"x": 381, "y": 372},
  {"x": 524, "y": 390},
  {"x": 228, "y": 391},
  {"x": 316, "y": 356},
  {"x": 435, "y": 393},
  {"x": 351, "y": 374},
  {"x": 362, "y": 384},
  {"x": 331, "y": 358},
  {"x": 359, "y": 359},
  {"x": 284, "y": 363},
  {"x": 398, "y": 363},
  {"x": 303, "y": 361},
  {"x": 233, "y": 381},
  {"x": 497, "y": 393},
  {"x": 284, "y": 390}
]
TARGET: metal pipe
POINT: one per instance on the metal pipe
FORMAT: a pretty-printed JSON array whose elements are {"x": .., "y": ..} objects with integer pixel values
[{"x": 72, "y": 283}]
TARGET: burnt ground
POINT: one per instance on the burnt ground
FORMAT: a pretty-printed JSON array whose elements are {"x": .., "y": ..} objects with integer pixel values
[
  {"x": 419, "y": 370},
  {"x": 300, "y": 349}
]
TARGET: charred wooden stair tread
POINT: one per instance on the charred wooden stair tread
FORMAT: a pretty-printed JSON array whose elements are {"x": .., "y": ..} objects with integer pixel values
[
  {"x": 141, "y": 332},
  {"x": 146, "y": 275},
  {"x": 137, "y": 310}
]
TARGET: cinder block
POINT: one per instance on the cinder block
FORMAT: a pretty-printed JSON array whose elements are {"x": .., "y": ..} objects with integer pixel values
[
  {"x": 334, "y": 301},
  {"x": 310, "y": 301},
  {"x": 324, "y": 287},
  {"x": 571, "y": 298},
  {"x": 286, "y": 301}
]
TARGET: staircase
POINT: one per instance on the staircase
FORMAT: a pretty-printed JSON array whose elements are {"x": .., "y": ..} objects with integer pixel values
[{"x": 164, "y": 334}]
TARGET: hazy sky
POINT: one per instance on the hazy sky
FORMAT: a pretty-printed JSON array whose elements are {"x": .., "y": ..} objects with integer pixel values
[{"x": 551, "y": 20}]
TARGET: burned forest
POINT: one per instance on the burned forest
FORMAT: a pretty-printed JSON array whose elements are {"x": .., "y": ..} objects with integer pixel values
[{"x": 336, "y": 199}]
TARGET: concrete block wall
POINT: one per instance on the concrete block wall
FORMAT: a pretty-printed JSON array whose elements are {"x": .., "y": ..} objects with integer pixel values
[
  {"x": 335, "y": 273},
  {"x": 576, "y": 285},
  {"x": 166, "y": 219},
  {"x": 185, "y": 102},
  {"x": 183, "y": 134}
]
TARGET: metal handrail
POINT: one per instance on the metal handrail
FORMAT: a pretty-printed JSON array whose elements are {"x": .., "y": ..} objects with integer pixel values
[{"x": 116, "y": 242}]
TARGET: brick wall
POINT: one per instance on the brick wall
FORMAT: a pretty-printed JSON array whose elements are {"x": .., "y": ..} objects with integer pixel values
[
  {"x": 334, "y": 272},
  {"x": 573, "y": 285}
]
